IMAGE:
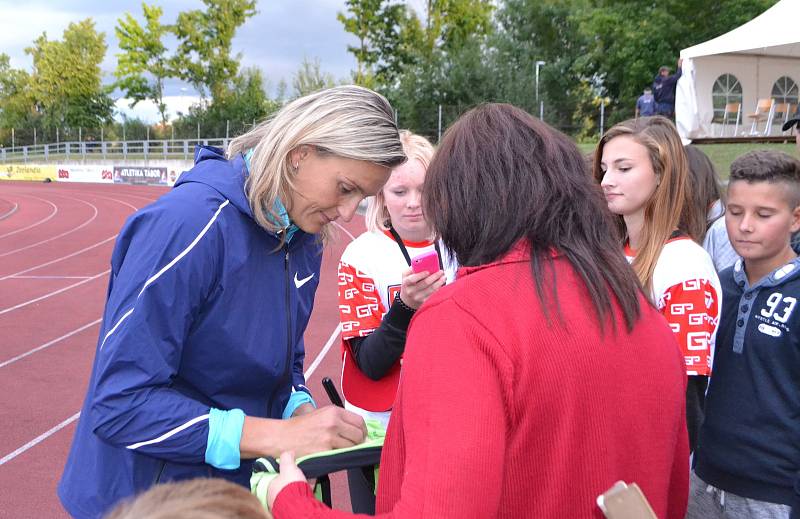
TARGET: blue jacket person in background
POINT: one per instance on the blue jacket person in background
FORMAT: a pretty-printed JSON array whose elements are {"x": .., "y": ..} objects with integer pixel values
[
  {"x": 646, "y": 104},
  {"x": 664, "y": 86},
  {"x": 199, "y": 362}
]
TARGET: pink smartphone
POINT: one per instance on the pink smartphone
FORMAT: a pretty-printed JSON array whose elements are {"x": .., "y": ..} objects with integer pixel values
[{"x": 428, "y": 261}]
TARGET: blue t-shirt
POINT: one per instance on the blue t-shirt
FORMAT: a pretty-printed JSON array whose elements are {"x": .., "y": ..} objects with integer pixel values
[{"x": 646, "y": 104}]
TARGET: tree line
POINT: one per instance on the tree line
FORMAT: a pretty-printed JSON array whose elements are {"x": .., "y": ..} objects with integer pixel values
[
  {"x": 452, "y": 54},
  {"x": 459, "y": 53}
]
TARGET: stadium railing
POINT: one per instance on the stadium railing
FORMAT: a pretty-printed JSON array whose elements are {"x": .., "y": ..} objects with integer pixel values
[{"x": 83, "y": 150}]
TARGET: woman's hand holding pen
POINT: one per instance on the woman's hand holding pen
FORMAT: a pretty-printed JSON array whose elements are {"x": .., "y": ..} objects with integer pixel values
[{"x": 323, "y": 429}]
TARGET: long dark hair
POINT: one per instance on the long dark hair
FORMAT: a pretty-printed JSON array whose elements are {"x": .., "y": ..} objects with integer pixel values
[
  {"x": 704, "y": 186},
  {"x": 500, "y": 176}
]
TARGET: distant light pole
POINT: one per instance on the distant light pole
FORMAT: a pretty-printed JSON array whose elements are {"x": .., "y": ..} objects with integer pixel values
[{"x": 541, "y": 103}]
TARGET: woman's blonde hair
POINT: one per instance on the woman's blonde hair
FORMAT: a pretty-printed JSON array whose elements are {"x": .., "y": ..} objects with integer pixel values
[
  {"x": 346, "y": 121},
  {"x": 416, "y": 147},
  {"x": 192, "y": 499},
  {"x": 668, "y": 209}
]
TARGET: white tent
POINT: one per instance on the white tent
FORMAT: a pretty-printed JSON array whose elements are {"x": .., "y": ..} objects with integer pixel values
[{"x": 759, "y": 56}]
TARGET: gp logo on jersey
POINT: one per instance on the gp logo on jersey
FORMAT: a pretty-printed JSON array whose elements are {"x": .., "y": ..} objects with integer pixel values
[
  {"x": 698, "y": 340},
  {"x": 393, "y": 291},
  {"x": 681, "y": 309},
  {"x": 692, "y": 311},
  {"x": 360, "y": 309}
]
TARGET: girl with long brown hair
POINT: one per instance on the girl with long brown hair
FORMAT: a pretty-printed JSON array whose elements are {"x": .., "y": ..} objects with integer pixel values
[{"x": 643, "y": 170}]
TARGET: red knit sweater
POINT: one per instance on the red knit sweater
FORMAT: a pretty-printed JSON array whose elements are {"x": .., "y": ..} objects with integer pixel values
[{"x": 500, "y": 415}]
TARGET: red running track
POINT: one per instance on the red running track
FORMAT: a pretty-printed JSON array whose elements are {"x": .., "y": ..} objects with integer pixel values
[{"x": 55, "y": 248}]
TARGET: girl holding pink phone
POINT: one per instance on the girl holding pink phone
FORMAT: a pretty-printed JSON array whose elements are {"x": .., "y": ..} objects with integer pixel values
[{"x": 379, "y": 293}]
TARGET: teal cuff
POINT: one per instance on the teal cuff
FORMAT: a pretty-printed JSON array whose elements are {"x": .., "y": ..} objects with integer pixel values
[
  {"x": 224, "y": 435},
  {"x": 297, "y": 399}
]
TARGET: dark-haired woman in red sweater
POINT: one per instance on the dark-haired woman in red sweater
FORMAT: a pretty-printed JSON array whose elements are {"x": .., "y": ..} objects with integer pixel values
[{"x": 542, "y": 375}]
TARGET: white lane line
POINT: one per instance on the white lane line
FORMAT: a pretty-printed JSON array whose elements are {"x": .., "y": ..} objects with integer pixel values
[
  {"x": 325, "y": 349},
  {"x": 9, "y": 212},
  {"x": 62, "y": 258},
  {"x": 51, "y": 294},
  {"x": 8, "y": 457},
  {"x": 345, "y": 231},
  {"x": 76, "y": 253},
  {"x": 74, "y": 417},
  {"x": 48, "y": 344},
  {"x": 39, "y": 439},
  {"x": 40, "y": 222},
  {"x": 50, "y": 277},
  {"x": 42, "y": 437},
  {"x": 314, "y": 365},
  {"x": 81, "y": 226}
]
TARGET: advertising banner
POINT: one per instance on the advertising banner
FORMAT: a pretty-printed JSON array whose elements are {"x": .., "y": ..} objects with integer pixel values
[
  {"x": 36, "y": 172},
  {"x": 141, "y": 175},
  {"x": 84, "y": 173}
]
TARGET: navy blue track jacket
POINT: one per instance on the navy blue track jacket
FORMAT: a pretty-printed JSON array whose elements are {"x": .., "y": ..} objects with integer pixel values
[{"x": 202, "y": 311}]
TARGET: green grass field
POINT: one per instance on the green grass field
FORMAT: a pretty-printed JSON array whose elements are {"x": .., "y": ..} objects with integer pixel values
[{"x": 723, "y": 154}]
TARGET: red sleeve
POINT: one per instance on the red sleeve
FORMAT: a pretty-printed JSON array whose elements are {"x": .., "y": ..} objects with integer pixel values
[
  {"x": 453, "y": 420},
  {"x": 297, "y": 500},
  {"x": 692, "y": 311},
  {"x": 360, "y": 307}
]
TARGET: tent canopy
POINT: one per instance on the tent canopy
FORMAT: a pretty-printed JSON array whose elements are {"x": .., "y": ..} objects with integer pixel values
[
  {"x": 775, "y": 32},
  {"x": 755, "y": 57}
]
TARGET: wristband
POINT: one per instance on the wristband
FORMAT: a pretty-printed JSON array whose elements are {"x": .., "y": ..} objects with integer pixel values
[
  {"x": 296, "y": 399},
  {"x": 398, "y": 300},
  {"x": 224, "y": 435}
]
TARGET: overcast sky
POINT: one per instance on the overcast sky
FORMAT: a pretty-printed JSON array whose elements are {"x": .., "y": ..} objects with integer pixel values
[{"x": 274, "y": 40}]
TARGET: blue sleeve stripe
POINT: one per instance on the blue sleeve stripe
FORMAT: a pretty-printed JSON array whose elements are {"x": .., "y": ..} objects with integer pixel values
[
  {"x": 166, "y": 268},
  {"x": 224, "y": 436},
  {"x": 169, "y": 434}
]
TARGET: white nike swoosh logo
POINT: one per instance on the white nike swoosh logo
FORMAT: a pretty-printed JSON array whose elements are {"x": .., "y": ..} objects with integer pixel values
[{"x": 300, "y": 282}]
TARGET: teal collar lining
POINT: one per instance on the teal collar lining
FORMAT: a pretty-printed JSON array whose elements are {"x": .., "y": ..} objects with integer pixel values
[{"x": 285, "y": 223}]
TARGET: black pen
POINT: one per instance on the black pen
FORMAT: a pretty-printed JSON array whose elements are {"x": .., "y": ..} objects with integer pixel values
[{"x": 330, "y": 388}]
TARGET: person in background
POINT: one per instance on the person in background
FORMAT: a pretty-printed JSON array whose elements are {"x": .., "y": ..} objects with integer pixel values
[
  {"x": 664, "y": 86},
  {"x": 202, "y": 498},
  {"x": 526, "y": 389},
  {"x": 794, "y": 123},
  {"x": 708, "y": 203},
  {"x": 646, "y": 104},
  {"x": 643, "y": 170},
  {"x": 705, "y": 191},
  {"x": 199, "y": 362},
  {"x": 747, "y": 462},
  {"x": 379, "y": 294}
]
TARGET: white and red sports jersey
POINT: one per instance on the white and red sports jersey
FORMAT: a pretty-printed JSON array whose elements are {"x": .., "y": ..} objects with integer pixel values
[
  {"x": 687, "y": 292},
  {"x": 370, "y": 275}
]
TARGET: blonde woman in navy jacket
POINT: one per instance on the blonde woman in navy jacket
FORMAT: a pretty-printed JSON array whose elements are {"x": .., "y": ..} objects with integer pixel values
[{"x": 199, "y": 360}]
